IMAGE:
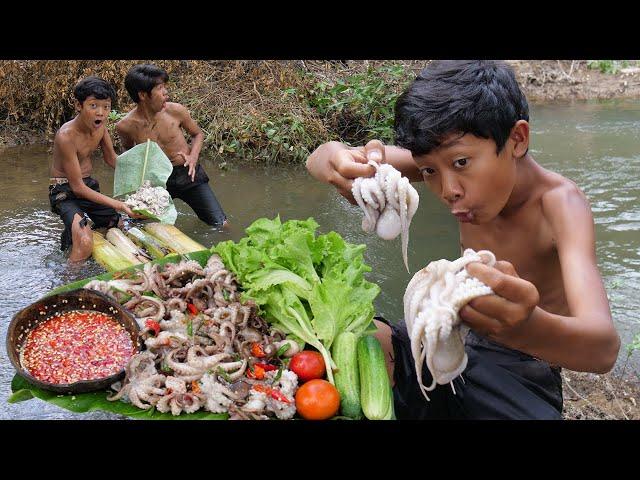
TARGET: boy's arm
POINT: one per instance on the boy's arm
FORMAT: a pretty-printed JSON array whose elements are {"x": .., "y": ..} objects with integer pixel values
[
  {"x": 339, "y": 165},
  {"x": 197, "y": 139},
  {"x": 586, "y": 340},
  {"x": 108, "y": 151},
  {"x": 71, "y": 167}
]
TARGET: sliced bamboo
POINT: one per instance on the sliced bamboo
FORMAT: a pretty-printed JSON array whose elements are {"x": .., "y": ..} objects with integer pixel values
[
  {"x": 173, "y": 238},
  {"x": 107, "y": 255},
  {"x": 124, "y": 244},
  {"x": 150, "y": 244}
]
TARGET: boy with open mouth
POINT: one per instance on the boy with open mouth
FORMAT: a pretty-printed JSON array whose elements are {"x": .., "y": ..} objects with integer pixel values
[
  {"x": 462, "y": 127},
  {"x": 73, "y": 193},
  {"x": 156, "y": 118}
]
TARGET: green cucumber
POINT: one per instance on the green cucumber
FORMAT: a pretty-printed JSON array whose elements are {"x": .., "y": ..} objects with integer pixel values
[
  {"x": 347, "y": 376},
  {"x": 376, "y": 396}
]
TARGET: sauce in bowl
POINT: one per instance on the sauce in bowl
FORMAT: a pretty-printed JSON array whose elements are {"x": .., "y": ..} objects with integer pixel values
[{"x": 76, "y": 345}]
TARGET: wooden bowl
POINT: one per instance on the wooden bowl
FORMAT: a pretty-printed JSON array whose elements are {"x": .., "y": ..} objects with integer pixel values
[{"x": 80, "y": 299}]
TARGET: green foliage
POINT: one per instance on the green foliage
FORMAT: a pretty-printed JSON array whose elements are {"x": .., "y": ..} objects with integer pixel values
[
  {"x": 607, "y": 66},
  {"x": 361, "y": 106},
  {"x": 634, "y": 345}
]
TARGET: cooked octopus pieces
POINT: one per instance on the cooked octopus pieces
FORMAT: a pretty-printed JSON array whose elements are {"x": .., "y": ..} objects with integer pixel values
[{"x": 205, "y": 348}]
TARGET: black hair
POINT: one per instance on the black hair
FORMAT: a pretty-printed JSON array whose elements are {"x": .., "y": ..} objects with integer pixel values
[
  {"x": 481, "y": 97},
  {"x": 142, "y": 78},
  {"x": 95, "y": 86}
]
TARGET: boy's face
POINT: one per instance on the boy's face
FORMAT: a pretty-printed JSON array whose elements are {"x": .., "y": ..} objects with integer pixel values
[
  {"x": 94, "y": 112},
  {"x": 157, "y": 98},
  {"x": 468, "y": 176}
]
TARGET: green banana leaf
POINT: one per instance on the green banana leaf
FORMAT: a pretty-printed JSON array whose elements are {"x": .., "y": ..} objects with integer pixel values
[
  {"x": 86, "y": 402},
  {"x": 145, "y": 161}
]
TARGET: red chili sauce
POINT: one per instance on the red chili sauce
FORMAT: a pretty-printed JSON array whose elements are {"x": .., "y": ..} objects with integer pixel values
[{"x": 76, "y": 345}]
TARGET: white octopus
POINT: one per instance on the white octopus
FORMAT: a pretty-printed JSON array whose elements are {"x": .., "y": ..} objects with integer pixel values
[
  {"x": 198, "y": 363},
  {"x": 154, "y": 199},
  {"x": 178, "y": 399},
  {"x": 389, "y": 202},
  {"x": 143, "y": 385},
  {"x": 432, "y": 300}
]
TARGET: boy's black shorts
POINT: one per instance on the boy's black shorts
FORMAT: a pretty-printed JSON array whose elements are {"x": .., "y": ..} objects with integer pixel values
[
  {"x": 197, "y": 194},
  {"x": 499, "y": 383},
  {"x": 65, "y": 203}
]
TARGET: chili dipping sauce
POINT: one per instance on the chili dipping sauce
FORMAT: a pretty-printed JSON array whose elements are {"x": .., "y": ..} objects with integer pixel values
[{"x": 76, "y": 345}]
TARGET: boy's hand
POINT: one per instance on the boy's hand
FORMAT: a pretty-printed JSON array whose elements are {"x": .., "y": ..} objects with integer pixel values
[
  {"x": 124, "y": 208},
  {"x": 344, "y": 165},
  {"x": 497, "y": 316},
  {"x": 190, "y": 162}
]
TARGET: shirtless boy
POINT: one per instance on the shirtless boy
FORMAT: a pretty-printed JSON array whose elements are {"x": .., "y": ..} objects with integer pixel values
[
  {"x": 72, "y": 190},
  {"x": 155, "y": 118},
  {"x": 462, "y": 127}
]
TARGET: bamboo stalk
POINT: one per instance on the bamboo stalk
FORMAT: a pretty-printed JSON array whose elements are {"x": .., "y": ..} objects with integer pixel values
[{"x": 172, "y": 237}]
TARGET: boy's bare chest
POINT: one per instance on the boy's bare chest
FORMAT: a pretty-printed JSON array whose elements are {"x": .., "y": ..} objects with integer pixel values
[
  {"x": 86, "y": 148},
  {"x": 525, "y": 242},
  {"x": 164, "y": 131}
]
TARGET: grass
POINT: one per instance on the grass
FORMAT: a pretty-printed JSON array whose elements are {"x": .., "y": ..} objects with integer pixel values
[{"x": 262, "y": 111}]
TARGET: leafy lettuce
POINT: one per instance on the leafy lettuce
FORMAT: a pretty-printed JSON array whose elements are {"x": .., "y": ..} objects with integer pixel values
[{"x": 311, "y": 287}]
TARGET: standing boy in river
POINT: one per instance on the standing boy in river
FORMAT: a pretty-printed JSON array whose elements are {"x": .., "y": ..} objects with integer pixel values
[
  {"x": 72, "y": 191},
  {"x": 155, "y": 118},
  {"x": 462, "y": 127}
]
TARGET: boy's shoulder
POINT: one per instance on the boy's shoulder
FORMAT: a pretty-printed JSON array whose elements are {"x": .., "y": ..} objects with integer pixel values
[
  {"x": 127, "y": 121},
  {"x": 562, "y": 199},
  {"x": 67, "y": 133},
  {"x": 176, "y": 109}
]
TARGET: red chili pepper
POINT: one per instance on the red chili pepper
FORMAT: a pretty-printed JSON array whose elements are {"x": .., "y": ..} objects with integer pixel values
[
  {"x": 278, "y": 395},
  {"x": 192, "y": 308},
  {"x": 266, "y": 367},
  {"x": 272, "y": 392},
  {"x": 257, "y": 350},
  {"x": 153, "y": 325},
  {"x": 257, "y": 372},
  {"x": 260, "y": 388}
]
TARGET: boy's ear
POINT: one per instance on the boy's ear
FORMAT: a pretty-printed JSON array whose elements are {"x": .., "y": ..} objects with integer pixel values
[
  {"x": 520, "y": 137},
  {"x": 77, "y": 104}
]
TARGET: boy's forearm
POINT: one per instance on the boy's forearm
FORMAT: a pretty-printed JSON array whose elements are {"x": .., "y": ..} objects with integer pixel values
[
  {"x": 196, "y": 144},
  {"x": 82, "y": 191},
  {"x": 579, "y": 344},
  {"x": 399, "y": 158}
]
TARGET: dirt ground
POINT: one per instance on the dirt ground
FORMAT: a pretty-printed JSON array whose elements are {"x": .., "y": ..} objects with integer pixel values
[
  {"x": 588, "y": 396},
  {"x": 567, "y": 80}
]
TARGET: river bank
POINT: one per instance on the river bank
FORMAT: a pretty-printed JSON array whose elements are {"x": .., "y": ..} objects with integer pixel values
[{"x": 276, "y": 110}]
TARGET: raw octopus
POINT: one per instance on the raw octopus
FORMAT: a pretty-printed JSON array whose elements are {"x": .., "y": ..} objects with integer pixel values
[
  {"x": 201, "y": 342},
  {"x": 432, "y": 301},
  {"x": 388, "y": 201},
  {"x": 153, "y": 199}
]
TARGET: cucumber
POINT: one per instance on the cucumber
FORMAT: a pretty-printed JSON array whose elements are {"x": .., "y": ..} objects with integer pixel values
[
  {"x": 347, "y": 376},
  {"x": 376, "y": 396}
]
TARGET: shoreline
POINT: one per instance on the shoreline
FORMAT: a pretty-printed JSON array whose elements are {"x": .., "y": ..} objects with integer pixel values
[{"x": 542, "y": 81}]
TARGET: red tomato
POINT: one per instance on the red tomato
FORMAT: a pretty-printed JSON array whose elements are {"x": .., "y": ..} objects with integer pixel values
[
  {"x": 317, "y": 400},
  {"x": 308, "y": 365}
]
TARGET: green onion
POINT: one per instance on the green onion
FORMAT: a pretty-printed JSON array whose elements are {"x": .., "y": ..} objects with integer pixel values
[
  {"x": 283, "y": 349},
  {"x": 278, "y": 375},
  {"x": 190, "y": 328},
  {"x": 223, "y": 374}
]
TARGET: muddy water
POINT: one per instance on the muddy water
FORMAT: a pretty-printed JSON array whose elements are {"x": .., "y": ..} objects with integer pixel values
[{"x": 596, "y": 145}]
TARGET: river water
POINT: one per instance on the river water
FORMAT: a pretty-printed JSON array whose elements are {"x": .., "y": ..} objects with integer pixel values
[{"x": 595, "y": 144}]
